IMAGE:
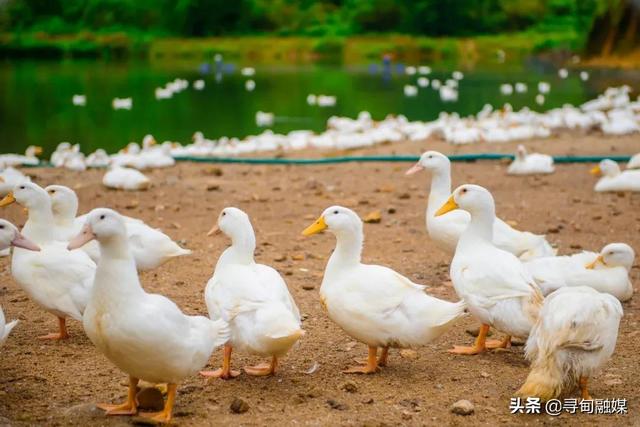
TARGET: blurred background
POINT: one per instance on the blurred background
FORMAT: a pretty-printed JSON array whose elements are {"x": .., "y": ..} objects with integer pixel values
[{"x": 275, "y": 55}]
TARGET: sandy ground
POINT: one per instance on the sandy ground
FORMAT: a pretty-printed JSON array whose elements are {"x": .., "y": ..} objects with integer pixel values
[{"x": 55, "y": 383}]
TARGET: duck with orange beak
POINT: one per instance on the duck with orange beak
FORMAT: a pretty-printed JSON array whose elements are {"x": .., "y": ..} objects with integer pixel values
[
  {"x": 254, "y": 299},
  {"x": 497, "y": 288},
  {"x": 56, "y": 279},
  {"x": 374, "y": 304},
  {"x": 607, "y": 271},
  {"x": 613, "y": 179}
]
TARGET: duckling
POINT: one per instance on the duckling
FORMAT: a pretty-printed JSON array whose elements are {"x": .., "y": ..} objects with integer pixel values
[
  {"x": 10, "y": 236},
  {"x": 150, "y": 247},
  {"x": 606, "y": 272},
  {"x": 634, "y": 162},
  {"x": 613, "y": 179},
  {"x": 445, "y": 230},
  {"x": 145, "y": 335},
  {"x": 56, "y": 279},
  {"x": 497, "y": 288},
  {"x": 253, "y": 298},
  {"x": 374, "y": 304},
  {"x": 572, "y": 339}
]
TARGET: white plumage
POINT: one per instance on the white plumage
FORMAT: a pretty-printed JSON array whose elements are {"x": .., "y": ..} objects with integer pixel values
[
  {"x": 445, "y": 230},
  {"x": 573, "y": 338}
]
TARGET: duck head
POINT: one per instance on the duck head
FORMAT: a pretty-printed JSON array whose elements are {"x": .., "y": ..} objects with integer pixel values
[
  {"x": 103, "y": 225},
  {"x": 233, "y": 222},
  {"x": 431, "y": 161},
  {"x": 33, "y": 151},
  {"x": 606, "y": 167},
  {"x": 614, "y": 255},
  {"x": 471, "y": 198},
  {"x": 64, "y": 201},
  {"x": 521, "y": 152},
  {"x": 28, "y": 195},
  {"x": 338, "y": 220},
  {"x": 10, "y": 236}
]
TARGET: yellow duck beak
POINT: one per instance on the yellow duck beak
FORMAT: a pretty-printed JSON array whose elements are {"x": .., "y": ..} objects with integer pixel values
[
  {"x": 449, "y": 205},
  {"x": 595, "y": 262},
  {"x": 8, "y": 199},
  {"x": 316, "y": 227},
  {"x": 595, "y": 171}
]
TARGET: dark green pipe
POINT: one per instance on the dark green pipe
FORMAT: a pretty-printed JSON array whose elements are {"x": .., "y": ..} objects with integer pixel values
[{"x": 347, "y": 159}]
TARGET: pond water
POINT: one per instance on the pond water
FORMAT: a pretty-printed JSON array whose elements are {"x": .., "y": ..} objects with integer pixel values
[{"x": 36, "y": 106}]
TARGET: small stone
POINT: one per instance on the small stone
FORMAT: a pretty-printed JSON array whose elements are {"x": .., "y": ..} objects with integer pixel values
[
  {"x": 613, "y": 381},
  {"x": 404, "y": 196},
  {"x": 213, "y": 186},
  {"x": 150, "y": 399},
  {"x": 462, "y": 407},
  {"x": 308, "y": 286},
  {"x": 388, "y": 188},
  {"x": 575, "y": 246},
  {"x": 407, "y": 353},
  {"x": 596, "y": 218},
  {"x": 484, "y": 374},
  {"x": 391, "y": 210},
  {"x": 334, "y": 404},
  {"x": 215, "y": 171},
  {"x": 280, "y": 258},
  {"x": 349, "y": 387},
  {"x": 298, "y": 257},
  {"x": 406, "y": 415},
  {"x": 363, "y": 202},
  {"x": 132, "y": 204},
  {"x": 239, "y": 406},
  {"x": 373, "y": 217},
  {"x": 553, "y": 230}
]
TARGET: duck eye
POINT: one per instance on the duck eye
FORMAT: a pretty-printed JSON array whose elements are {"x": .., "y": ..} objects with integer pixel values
[
  {"x": 22, "y": 187},
  {"x": 223, "y": 213},
  {"x": 464, "y": 190},
  {"x": 336, "y": 212},
  {"x": 1, "y": 227},
  {"x": 101, "y": 216}
]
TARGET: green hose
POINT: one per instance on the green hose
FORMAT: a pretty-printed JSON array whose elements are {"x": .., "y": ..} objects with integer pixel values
[{"x": 348, "y": 159}]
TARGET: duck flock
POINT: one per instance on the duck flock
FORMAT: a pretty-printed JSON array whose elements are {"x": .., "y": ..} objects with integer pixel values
[{"x": 86, "y": 268}]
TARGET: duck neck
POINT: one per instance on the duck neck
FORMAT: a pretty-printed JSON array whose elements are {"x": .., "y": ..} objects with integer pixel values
[
  {"x": 64, "y": 217},
  {"x": 440, "y": 189},
  {"x": 243, "y": 245},
  {"x": 480, "y": 227},
  {"x": 348, "y": 248},
  {"x": 116, "y": 274},
  {"x": 38, "y": 226}
]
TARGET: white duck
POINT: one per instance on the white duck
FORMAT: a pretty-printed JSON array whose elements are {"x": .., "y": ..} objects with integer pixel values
[
  {"x": 9, "y": 178},
  {"x": 10, "y": 236},
  {"x": 374, "y": 304},
  {"x": 56, "y": 279},
  {"x": 606, "y": 272},
  {"x": 445, "y": 230},
  {"x": 634, "y": 162},
  {"x": 573, "y": 338},
  {"x": 253, "y": 298},
  {"x": 121, "y": 178},
  {"x": 150, "y": 247},
  {"x": 98, "y": 159},
  {"x": 497, "y": 288},
  {"x": 530, "y": 164},
  {"x": 612, "y": 179},
  {"x": 145, "y": 335},
  {"x": 30, "y": 157}
]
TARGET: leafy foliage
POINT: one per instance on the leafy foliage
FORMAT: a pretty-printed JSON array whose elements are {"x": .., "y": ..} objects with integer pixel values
[{"x": 299, "y": 17}]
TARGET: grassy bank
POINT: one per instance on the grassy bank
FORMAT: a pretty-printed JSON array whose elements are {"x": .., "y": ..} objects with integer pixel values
[{"x": 268, "y": 49}]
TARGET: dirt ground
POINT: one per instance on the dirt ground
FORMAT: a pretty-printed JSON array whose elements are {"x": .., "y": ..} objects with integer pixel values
[{"x": 55, "y": 383}]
